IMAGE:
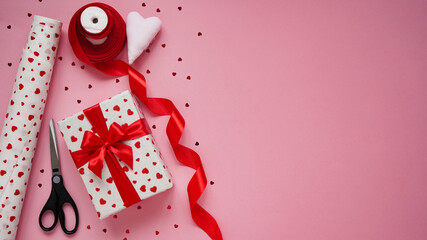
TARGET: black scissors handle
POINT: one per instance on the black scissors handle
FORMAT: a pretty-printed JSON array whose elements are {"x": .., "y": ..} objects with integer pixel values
[{"x": 58, "y": 197}]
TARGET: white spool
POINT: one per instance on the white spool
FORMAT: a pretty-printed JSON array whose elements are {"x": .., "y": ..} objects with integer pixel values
[{"x": 94, "y": 20}]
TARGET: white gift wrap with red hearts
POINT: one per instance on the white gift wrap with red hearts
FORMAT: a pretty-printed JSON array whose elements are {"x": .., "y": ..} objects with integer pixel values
[
  {"x": 149, "y": 175},
  {"x": 19, "y": 134}
]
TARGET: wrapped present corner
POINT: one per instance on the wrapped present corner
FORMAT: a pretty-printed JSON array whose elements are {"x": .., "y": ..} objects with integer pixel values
[{"x": 115, "y": 154}]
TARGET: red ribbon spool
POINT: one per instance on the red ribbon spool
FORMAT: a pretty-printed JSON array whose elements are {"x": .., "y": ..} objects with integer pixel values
[{"x": 100, "y": 57}]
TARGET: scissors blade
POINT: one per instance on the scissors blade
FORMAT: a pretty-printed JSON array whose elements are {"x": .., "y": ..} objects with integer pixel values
[{"x": 54, "y": 156}]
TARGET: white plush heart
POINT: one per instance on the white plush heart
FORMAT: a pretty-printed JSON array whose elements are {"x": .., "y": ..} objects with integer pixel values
[{"x": 140, "y": 32}]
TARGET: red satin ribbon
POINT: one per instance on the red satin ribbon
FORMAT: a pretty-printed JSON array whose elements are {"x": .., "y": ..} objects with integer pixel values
[
  {"x": 95, "y": 149},
  {"x": 100, "y": 58}
]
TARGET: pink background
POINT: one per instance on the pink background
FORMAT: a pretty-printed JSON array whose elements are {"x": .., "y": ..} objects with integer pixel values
[{"x": 311, "y": 117}]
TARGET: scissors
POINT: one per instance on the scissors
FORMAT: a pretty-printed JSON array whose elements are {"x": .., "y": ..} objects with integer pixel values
[{"x": 59, "y": 195}]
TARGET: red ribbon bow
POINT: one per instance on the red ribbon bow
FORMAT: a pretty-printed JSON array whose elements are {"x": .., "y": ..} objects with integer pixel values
[
  {"x": 100, "y": 147},
  {"x": 105, "y": 146}
]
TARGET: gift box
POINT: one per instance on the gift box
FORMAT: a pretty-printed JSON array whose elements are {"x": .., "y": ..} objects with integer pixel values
[{"x": 115, "y": 153}]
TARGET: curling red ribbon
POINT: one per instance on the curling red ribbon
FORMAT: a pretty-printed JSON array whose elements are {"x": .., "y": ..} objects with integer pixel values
[
  {"x": 97, "y": 148},
  {"x": 100, "y": 57}
]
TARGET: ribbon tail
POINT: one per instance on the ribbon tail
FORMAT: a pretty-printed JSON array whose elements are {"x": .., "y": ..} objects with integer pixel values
[
  {"x": 123, "y": 152},
  {"x": 97, "y": 161}
]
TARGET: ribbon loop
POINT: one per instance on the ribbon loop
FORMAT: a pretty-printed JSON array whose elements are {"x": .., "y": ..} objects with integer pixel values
[{"x": 115, "y": 133}]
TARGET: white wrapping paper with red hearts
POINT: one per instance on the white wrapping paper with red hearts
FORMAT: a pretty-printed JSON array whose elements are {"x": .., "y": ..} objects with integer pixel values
[
  {"x": 23, "y": 119},
  {"x": 149, "y": 175}
]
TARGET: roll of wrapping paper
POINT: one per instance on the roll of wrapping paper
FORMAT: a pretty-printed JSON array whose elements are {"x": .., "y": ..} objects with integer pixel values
[{"x": 24, "y": 115}]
